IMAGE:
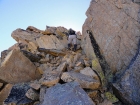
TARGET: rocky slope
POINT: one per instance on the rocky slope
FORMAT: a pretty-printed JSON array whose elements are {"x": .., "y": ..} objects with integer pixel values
[
  {"x": 39, "y": 70},
  {"x": 105, "y": 69}
]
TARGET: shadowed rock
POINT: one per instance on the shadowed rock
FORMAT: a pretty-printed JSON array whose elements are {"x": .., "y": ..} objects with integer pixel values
[
  {"x": 32, "y": 57},
  {"x": 17, "y": 94},
  {"x": 4, "y": 54},
  {"x": 5, "y": 92},
  {"x": 52, "y": 52}
]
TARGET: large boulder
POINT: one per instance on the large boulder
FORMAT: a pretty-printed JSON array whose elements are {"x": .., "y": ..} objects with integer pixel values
[
  {"x": 115, "y": 28},
  {"x": 25, "y": 36},
  {"x": 49, "y": 42},
  {"x": 127, "y": 88},
  {"x": 111, "y": 33},
  {"x": 17, "y": 68},
  {"x": 66, "y": 94}
]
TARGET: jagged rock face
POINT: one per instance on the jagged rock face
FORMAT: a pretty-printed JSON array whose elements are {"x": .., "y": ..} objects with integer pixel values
[{"x": 115, "y": 27}]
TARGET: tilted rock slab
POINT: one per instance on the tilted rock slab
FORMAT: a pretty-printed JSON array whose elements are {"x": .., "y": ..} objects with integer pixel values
[
  {"x": 66, "y": 94},
  {"x": 49, "y": 42},
  {"x": 115, "y": 28},
  {"x": 21, "y": 35},
  {"x": 85, "y": 81},
  {"x": 128, "y": 87},
  {"x": 17, "y": 68},
  {"x": 50, "y": 78},
  {"x": 27, "y": 37}
]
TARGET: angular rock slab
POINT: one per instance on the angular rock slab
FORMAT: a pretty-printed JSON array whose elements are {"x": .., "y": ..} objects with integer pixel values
[
  {"x": 50, "y": 78},
  {"x": 85, "y": 81},
  {"x": 21, "y": 35},
  {"x": 49, "y": 42},
  {"x": 66, "y": 94},
  {"x": 17, "y": 68}
]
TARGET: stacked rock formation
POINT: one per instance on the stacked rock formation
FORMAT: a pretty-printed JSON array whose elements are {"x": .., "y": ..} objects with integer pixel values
[{"x": 39, "y": 70}]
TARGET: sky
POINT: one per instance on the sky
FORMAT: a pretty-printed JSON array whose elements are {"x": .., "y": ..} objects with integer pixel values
[{"x": 39, "y": 13}]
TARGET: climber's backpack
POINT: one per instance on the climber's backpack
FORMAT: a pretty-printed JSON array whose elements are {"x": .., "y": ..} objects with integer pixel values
[{"x": 71, "y": 32}]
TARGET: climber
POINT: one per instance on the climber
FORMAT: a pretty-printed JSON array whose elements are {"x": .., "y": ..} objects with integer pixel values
[{"x": 72, "y": 38}]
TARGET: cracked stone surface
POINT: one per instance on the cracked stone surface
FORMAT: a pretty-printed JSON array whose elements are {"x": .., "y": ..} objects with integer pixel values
[
  {"x": 14, "y": 68},
  {"x": 127, "y": 89},
  {"x": 66, "y": 94},
  {"x": 115, "y": 27}
]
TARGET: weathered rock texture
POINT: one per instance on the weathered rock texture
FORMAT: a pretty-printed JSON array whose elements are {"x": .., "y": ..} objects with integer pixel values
[
  {"x": 17, "y": 94},
  {"x": 17, "y": 68},
  {"x": 85, "y": 81},
  {"x": 69, "y": 94},
  {"x": 115, "y": 28},
  {"x": 127, "y": 89},
  {"x": 111, "y": 35},
  {"x": 45, "y": 52}
]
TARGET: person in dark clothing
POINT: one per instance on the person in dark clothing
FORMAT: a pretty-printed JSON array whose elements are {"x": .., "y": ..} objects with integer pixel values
[{"x": 72, "y": 39}]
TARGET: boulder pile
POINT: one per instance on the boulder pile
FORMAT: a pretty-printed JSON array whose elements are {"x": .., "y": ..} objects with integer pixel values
[
  {"x": 104, "y": 70},
  {"x": 39, "y": 70}
]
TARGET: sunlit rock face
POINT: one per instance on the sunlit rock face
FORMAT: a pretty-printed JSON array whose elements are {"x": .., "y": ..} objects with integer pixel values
[
  {"x": 115, "y": 27},
  {"x": 111, "y": 33}
]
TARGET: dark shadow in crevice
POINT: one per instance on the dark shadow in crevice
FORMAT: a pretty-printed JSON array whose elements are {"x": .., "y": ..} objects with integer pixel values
[
  {"x": 98, "y": 54},
  {"x": 61, "y": 81}
]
